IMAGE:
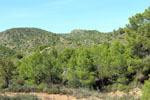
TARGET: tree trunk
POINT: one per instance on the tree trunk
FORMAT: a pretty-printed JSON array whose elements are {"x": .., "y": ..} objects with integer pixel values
[{"x": 7, "y": 82}]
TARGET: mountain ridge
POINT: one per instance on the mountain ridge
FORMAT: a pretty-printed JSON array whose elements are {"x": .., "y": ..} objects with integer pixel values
[{"x": 28, "y": 39}]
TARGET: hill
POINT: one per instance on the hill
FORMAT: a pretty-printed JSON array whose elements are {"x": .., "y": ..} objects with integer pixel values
[
  {"x": 23, "y": 39},
  {"x": 118, "y": 61},
  {"x": 29, "y": 39}
]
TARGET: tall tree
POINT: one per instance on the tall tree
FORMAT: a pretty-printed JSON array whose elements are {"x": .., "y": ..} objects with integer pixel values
[
  {"x": 138, "y": 37},
  {"x": 81, "y": 70},
  {"x": 6, "y": 70}
]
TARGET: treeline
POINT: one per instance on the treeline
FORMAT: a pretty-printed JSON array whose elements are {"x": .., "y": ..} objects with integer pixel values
[
  {"x": 109, "y": 66},
  {"x": 103, "y": 67}
]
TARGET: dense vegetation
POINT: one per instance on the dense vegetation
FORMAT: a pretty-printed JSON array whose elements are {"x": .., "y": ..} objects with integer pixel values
[
  {"x": 118, "y": 60},
  {"x": 28, "y": 40}
]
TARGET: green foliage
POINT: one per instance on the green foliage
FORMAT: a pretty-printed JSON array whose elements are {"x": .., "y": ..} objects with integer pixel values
[
  {"x": 138, "y": 37},
  {"x": 6, "y": 52},
  {"x": 20, "y": 97},
  {"x": 102, "y": 63},
  {"x": 52, "y": 91},
  {"x": 40, "y": 67},
  {"x": 29, "y": 40},
  {"x": 25, "y": 39},
  {"x": 32, "y": 68},
  {"x": 18, "y": 55},
  {"x": 146, "y": 91},
  {"x": 42, "y": 87},
  {"x": 81, "y": 69},
  {"x": 138, "y": 32},
  {"x": 121, "y": 31},
  {"x": 41, "y": 47},
  {"x": 6, "y": 70},
  {"x": 2, "y": 84},
  {"x": 14, "y": 87}
]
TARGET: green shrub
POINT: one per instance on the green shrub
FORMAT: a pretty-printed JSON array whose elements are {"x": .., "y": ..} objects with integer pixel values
[
  {"x": 20, "y": 97},
  {"x": 28, "y": 88},
  {"x": 74, "y": 83},
  {"x": 146, "y": 91},
  {"x": 2, "y": 84},
  {"x": 15, "y": 87},
  {"x": 64, "y": 90},
  {"x": 53, "y": 91},
  {"x": 20, "y": 81},
  {"x": 29, "y": 81},
  {"x": 123, "y": 87},
  {"x": 25, "y": 88},
  {"x": 116, "y": 86},
  {"x": 42, "y": 87}
]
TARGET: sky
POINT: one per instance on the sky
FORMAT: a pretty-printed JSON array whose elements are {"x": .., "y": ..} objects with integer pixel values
[{"x": 63, "y": 16}]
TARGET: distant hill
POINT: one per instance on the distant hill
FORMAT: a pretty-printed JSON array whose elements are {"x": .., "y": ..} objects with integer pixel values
[
  {"x": 28, "y": 39},
  {"x": 23, "y": 39}
]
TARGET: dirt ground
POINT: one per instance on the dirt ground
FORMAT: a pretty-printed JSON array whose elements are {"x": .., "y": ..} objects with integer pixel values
[
  {"x": 45, "y": 96},
  {"x": 136, "y": 92}
]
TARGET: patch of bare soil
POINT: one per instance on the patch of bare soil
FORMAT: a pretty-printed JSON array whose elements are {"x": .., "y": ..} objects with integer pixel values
[
  {"x": 116, "y": 93},
  {"x": 45, "y": 96},
  {"x": 136, "y": 92}
]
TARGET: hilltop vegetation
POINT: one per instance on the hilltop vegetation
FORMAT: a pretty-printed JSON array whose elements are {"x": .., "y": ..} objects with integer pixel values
[
  {"x": 6, "y": 52},
  {"x": 23, "y": 39},
  {"x": 119, "y": 60},
  {"x": 29, "y": 39}
]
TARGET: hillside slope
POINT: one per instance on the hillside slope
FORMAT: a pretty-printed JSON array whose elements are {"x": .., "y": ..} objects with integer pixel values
[{"x": 28, "y": 39}]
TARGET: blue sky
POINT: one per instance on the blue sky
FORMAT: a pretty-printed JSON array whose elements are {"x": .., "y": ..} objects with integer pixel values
[{"x": 62, "y": 16}]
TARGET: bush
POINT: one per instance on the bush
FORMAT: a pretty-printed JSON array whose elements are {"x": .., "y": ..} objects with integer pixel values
[
  {"x": 25, "y": 88},
  {"x": 20, "y": 81},
  {"x": 15, "y": 87},
  {"x": 123, "y": 87},
  {"x": 65, "y": 90},
  {"x": 116, "y": 86},
  {"x": 53, "y": 91},
  {"x": 146, "y": 91},
  {"x": 2, "y": 84},
  {"x": 74, "y": 83},
  {"x": 20, "y": 97},
  {"x": 29, "y": 88},
  {"x": 42, "y": 87}
]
